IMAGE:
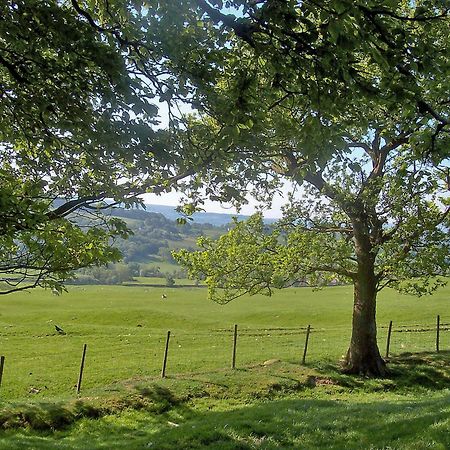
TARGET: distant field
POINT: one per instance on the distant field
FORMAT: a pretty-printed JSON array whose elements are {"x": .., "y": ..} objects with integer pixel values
[
  {"x": 125, "y": 329},
  {"x": 163, "y": 266}
]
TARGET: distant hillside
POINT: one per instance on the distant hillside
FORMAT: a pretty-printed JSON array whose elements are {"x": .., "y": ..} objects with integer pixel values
[
  {"x": 147, "y": 252},
  {"x": 155, "y": 235},
  {"x": 170, "y": 212},
  {"x": 216, "y": 219}
]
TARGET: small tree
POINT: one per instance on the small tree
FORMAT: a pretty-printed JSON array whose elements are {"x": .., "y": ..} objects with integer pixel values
[
  {"x": 170, "y": 280},
  {"x": 373, "y": 217}
]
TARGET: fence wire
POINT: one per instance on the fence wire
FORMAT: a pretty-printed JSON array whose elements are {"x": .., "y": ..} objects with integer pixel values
[{"x": 48, "y": 365}]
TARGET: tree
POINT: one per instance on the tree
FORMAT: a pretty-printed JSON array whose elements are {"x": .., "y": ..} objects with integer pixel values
[
  {"x": 79, "y": 86},
  {"x": 170, "y": 280},
  {"x": 377, "y": 220},
  {"x": 306, "y": 88}
]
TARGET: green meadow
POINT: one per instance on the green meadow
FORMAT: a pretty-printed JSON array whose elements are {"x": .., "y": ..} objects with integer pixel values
[
  {"x": 125, "y": 330},
  {"x": 269, "y": 401}
]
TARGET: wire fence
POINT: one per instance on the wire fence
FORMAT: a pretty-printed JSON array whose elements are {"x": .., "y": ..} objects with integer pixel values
[{"x": 45, "y": 368}]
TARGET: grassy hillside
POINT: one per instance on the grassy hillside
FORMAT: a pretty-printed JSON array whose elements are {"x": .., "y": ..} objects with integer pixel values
[
  {"x": 147, "y": 252},
  {"x": 125, "y": 328}
]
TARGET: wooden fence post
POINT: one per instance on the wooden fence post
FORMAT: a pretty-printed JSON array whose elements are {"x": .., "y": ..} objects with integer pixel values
[
  {"x": 438, "y": 320},
  {"x": 80, "y": 377},
  {"x": 2, "y": 365},
  {"x": 233, "y": 360},
  {"x": 388, "y": 342},
  {"x": 306, "y": 344},
  {"x": 166, "y": 351}
]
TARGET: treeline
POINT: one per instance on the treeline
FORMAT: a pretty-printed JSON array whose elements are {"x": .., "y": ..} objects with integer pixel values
[{"x": 122, "y": 272}]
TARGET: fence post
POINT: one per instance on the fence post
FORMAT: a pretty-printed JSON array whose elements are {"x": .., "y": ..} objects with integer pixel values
[
  {"x": 2, "y": 365},
  {"x": 388, "y": 342},
  {"x": 166, "y": 351},
  {"x": 80, "y": 377},
  {"x": 306, "y": 344},
  {"x": 233, "y": 360},
  {"x": 438, "y": 320}
]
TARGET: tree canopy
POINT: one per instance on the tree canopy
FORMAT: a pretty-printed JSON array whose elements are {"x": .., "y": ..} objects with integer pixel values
[
  {"x": 81, "y": 82},
  {"x": 407, "y": 211},
  {"x": 80, "y": 87},
  {"x": 315, "y": 72}
]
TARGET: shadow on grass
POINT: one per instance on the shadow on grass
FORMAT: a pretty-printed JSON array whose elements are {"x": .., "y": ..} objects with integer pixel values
[
  {"x": 152, "y": 416},
  {"x": 295, "y": 424},
  {"x": 44, "y": 416},
  {"x": 429, "y": 370},
  {"x": 406, "y": 372}
]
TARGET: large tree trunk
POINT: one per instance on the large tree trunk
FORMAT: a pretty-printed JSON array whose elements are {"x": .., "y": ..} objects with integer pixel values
[{"x": 363, "y": 356}]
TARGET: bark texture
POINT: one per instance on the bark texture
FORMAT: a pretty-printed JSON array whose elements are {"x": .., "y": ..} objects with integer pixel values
[{"x": 363, "y": 356}]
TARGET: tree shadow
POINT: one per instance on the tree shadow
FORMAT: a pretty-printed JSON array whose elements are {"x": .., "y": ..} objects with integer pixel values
[
  {"x": 51, "y": 416},
  {"x": 303, "y": 423},
  {"x": 407, "y": 371},
  {"x": 427, "y": 370}
]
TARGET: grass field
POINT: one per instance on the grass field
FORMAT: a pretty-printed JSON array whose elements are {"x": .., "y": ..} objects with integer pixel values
[
  {"x": 270, "y": 407},
  {"x": 202, "y": 403},
  {"x": 125, "y": 328},
  {"x": 164, "y": 266}
]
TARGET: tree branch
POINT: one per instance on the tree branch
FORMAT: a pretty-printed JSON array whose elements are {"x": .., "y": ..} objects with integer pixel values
[
  {"x": 72, "y": 205},
  {"x": 242, "y": 30},
  {"x": 419, "y": 18}
]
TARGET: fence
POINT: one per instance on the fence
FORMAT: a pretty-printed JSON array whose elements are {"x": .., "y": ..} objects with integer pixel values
[{"x": 174, "y": 352}]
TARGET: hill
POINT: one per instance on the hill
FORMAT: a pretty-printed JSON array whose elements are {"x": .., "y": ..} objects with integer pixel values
[
  {"x": 170, "y": 212},
  {"x": 147, "y": 252},
  {"x": 215, "y": 219}
]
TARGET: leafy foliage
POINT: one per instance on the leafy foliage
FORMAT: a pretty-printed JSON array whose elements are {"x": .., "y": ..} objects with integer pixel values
[
  {"x": 408, "y": 228},
  {"x": 79, "y": 86},
  {"x": 81, "y": 82},
  {"x": 146, "y": 252},
  {"x": 316, "y": 74}
]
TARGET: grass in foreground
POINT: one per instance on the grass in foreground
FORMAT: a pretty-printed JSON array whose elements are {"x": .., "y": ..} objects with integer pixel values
[{"x": 276, "y": 405}]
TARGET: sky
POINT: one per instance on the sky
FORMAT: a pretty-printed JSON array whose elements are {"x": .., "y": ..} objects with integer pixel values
[{"x": 173, "y": 199}]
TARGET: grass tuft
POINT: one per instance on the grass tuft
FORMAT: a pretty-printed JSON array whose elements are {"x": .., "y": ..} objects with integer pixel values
[{"x": 46, "y": 416}]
